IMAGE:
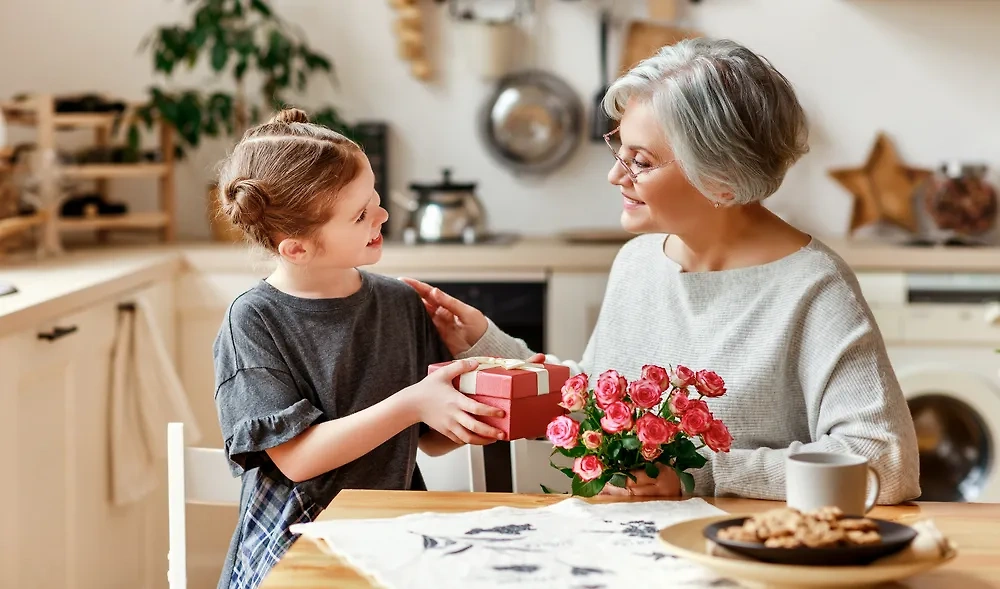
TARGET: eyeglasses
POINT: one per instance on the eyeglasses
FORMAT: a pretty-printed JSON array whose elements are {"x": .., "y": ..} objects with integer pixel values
[{"x": 631, "y": 166}]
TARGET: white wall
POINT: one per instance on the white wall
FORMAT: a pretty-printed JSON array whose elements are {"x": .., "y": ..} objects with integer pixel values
[{"x": 922, "y": 70}]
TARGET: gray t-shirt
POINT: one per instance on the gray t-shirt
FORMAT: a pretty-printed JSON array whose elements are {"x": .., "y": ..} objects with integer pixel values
[{"x": 283, "y": 364}]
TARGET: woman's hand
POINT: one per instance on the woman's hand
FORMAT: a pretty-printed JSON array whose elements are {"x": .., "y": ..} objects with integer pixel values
[
  {"x": 666, "y": 484},
  {"x": 459, "y": 325}
]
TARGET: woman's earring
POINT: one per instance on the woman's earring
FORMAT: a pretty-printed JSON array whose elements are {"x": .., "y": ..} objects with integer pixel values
[{"x": 716, "y": 205}]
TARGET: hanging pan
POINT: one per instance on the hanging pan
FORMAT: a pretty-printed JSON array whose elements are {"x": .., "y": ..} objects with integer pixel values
[{"x": 532, "y": 122}]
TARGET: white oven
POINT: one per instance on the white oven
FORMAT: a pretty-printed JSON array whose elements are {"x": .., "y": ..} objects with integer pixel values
[{"x": 942, "y": 332}]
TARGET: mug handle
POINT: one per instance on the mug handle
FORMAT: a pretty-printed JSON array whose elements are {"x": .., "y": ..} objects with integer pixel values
[{"x": 874, "y": 486}]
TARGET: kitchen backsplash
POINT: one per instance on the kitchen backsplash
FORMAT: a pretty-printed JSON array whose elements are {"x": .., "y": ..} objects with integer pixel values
[{"x": 920, "y": 71}]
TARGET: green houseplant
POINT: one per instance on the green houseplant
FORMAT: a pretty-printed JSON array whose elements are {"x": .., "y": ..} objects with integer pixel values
[{"x": 249, "y": 47}]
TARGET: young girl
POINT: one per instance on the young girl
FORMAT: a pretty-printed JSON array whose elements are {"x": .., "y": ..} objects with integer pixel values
[{"x": 315, "y": 366}]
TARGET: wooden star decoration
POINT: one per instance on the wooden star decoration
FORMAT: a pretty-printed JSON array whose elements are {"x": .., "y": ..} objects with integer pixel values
[{"x": 882, "y": 188}]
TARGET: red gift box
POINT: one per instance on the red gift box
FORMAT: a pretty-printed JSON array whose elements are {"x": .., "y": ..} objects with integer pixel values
[{"x": 528, "y": 393}]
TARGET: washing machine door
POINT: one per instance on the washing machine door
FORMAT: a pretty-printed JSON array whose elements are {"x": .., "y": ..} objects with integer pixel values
[{"x": 957, "y": 418}]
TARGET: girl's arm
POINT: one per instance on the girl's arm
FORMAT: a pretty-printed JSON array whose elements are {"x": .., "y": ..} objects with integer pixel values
[{"x": 329, "y": 445}]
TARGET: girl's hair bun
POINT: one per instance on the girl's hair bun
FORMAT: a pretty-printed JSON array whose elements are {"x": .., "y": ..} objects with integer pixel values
[{"x": 291, "y": 115}]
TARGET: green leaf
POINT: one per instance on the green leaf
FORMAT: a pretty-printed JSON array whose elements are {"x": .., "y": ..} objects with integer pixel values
[
  {"x": 631, "y": 442},
  {"x": 694, "y": 460},
  {"x": 547, "y": 490},
  {"x": 589, "y": 489},
  {"x": 687, "y": 479},
  {"x": 220, "y": 54},
  {"x": 567, "y": 471},
  {"x": 651, "y": 470},
  {"x": 618, "y": 479},
  {"x": 261, "y": 7},
  {"x": 614, "y": 449},
  {"x": 576, "y": 451}
]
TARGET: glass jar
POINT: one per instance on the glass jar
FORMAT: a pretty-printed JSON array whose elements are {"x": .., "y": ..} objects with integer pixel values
[{"x": 960, "y": 201}]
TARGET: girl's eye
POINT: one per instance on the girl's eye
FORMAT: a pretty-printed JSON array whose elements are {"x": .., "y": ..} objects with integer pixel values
[{"x": 364, "y": 214}]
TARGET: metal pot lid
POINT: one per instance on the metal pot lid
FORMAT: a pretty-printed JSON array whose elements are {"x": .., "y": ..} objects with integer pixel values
[
  {"x": 532, "y": 122},
  {"x": 446, "y": 185}
]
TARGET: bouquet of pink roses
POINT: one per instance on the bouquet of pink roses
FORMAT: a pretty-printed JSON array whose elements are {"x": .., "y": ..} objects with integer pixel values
[{"x": 647, "y": 424}]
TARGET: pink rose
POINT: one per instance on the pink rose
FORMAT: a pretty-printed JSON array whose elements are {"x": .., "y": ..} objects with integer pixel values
[
  {"x": 698, "y": 404},
  {"x": 657, "y": 375},
  {"x": 718, "y": 437},
  {"x": 562, "y": 432},
  {"x": 592, "y": 439},
  {"x": 617, "y": 418},
  {"x": 588, "y": 467},
  {"x": 610, "y": 388},
  {"x": 572, "y": 400},
  {"x": 654, "y": 430},
  {"x": 577, "y": 384},
  {"x": 682, "y": 377},
  {"x": 679, "y": 402},
  {"x": 695, "y": 421},
  {"x": 650, "y": 452},
  {"x": 645, "y": 393},
  {"x": 710, "y": 384}
]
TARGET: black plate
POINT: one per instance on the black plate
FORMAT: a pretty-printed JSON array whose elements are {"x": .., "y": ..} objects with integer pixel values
[{"x": 895, "y": 537}]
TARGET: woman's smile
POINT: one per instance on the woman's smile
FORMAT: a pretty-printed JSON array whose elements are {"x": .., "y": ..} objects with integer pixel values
[{"x": 631, "y": 203}]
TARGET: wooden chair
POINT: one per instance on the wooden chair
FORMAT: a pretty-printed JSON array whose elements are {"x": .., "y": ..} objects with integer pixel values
[
  {"x": 462, "y": 469},
  {"x": 198, "y": 476}
]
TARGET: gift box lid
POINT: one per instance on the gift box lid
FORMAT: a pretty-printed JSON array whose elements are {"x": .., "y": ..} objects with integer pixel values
[{"x": 509, "y": 378}]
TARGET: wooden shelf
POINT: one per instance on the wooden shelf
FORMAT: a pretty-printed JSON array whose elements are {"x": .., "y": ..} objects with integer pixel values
[
  {"x": 151, "y": 220},
  {"x": 15, "y": 225},
  {"x": 97, "y": 171},
  {"x": 24, "y": 114}
]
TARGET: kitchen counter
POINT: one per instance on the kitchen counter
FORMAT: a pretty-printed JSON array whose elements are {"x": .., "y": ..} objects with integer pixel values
[
  {"x": 55, "y": 286},
  {"x": 970, "y": 526}
]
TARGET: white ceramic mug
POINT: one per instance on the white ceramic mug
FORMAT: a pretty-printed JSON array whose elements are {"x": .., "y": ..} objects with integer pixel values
[{"x": 819, "y": 479}]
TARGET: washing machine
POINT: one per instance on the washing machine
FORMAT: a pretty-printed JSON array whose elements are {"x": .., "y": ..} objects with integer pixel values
[{"x": 942, "y": 332}]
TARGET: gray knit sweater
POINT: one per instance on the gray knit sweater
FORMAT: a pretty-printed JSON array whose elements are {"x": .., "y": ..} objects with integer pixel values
[{"x": 803, "y": 360}]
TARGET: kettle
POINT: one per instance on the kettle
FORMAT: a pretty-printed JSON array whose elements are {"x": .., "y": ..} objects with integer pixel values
[{"x": 443, "y": 212}]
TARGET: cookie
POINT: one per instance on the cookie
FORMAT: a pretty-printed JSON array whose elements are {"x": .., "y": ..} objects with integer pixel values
[
  {"x": 830, "y": 513},
  {"x": 783, "y": 542},
  {"x": 738, "y": 534},
  {"x": 786, "y": 527},
  {"x": 863, "y": 538},
  {"x": 860, "y": 525}
]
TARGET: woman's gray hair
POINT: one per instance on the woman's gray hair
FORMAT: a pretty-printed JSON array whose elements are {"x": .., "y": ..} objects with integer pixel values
[{"x": 732, "y": 120}]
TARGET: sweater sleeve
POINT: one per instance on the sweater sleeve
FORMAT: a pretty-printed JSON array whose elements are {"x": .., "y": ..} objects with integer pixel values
[
  {"x": 853, "y": 401},
  {"x": 497, "y": 343}
]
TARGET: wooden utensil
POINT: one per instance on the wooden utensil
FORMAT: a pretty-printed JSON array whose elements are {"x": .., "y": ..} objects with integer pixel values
[{"x": 643, "y": 39}]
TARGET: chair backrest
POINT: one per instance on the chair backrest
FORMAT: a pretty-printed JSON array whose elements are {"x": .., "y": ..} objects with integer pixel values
[
  {"x": 530, "y": 468},
  {"x": 194, "y": 475},
  {"x": 462, "y": 469}
]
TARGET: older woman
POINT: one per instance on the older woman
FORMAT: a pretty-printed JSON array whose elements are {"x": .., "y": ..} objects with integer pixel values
[{"x": 707, "y": 131}]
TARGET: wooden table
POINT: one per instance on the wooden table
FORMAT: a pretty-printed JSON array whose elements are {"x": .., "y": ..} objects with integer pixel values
[{"x": 975, "y": 528}]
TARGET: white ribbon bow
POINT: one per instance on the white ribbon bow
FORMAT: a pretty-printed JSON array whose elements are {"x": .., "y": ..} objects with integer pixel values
[{"x": 467, "y": 381}]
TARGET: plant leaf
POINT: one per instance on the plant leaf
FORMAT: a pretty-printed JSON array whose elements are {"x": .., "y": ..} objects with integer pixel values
[
  {"x": 591, "y": 488},
  {"x": 261, "y": 7},
  {"x": 615, "y": 449},
  {"x": 568, "y": 472},
  {"x": 651, "y": 470},
  {"x": 687, "y": 479},
  {"x": 618, "y": 479},
  {"x": 546, "y": 490},
  {"x": 631, "y": 442},
  {"x": 576, "y": 451}
]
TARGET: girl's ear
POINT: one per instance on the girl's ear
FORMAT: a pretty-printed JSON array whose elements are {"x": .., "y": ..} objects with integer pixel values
[{"x": 294, "y": 250}]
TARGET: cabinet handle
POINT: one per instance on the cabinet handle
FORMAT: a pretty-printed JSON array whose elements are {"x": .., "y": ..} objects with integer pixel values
[{"x": 57, "y": 332}]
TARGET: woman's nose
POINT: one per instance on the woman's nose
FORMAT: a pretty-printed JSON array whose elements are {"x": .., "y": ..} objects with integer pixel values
[
  {"x": 382, "y": 216},
  {"x": 617, "y": 175}
]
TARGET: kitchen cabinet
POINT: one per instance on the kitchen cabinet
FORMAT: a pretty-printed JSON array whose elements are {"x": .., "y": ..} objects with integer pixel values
[
  {"x": 60, "y": 527},
  {"x": 574, "y": 304}
]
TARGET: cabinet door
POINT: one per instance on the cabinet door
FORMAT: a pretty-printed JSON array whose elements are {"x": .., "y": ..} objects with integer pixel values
[
  {"x": 36, "y": 506},
  {"x": 574, "y": 304}
]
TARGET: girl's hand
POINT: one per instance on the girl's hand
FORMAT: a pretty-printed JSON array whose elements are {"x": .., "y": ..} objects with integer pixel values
[
  {"x": 666, "y": 484},
  {"x": 459, "y": 325},
  {"x": 435, "y": 401}
]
